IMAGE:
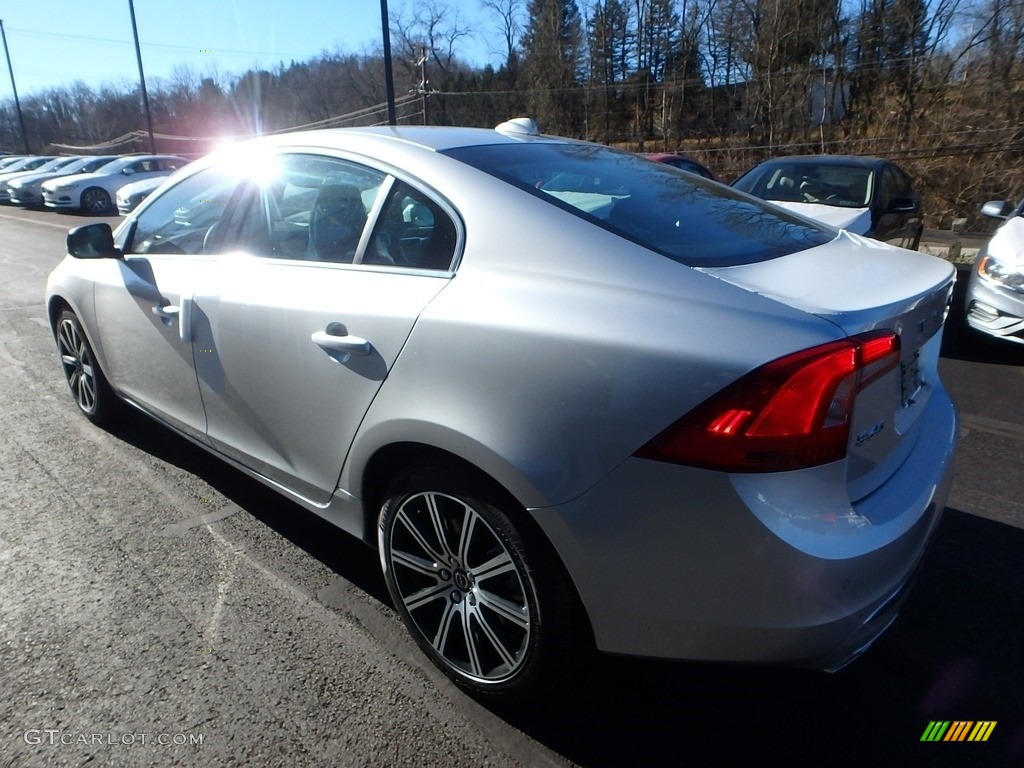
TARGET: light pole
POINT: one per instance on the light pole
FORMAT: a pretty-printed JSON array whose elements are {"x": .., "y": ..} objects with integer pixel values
[
  {"x": 389, "y": 80},
  {"x": 17, "y": 103},
  {"x": 142, "y": 80}
]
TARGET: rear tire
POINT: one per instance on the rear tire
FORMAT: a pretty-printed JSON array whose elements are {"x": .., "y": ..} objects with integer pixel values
[{"x": 488, "y": 601}]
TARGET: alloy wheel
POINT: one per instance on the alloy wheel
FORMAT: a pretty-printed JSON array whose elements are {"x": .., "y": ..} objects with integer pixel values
[
  {"x": 95, "y": 200},
  {"x": 79, "y": 370},
  {"x": 460, "y": 585}
]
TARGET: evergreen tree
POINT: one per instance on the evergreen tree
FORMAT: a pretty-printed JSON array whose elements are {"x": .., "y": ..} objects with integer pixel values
[{"x": 552, "y": 64}]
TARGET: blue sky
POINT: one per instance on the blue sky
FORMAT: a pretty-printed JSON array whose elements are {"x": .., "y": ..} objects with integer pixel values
[{"x": 57, "y": 42}]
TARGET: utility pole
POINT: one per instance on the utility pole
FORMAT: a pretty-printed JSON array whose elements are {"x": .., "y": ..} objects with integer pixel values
[
  {"x": 17, "y": 103},
  {"x": 389, "y": 80},
  {"x": 142, "y": 80},
  {"x": 423, "y": 89}
]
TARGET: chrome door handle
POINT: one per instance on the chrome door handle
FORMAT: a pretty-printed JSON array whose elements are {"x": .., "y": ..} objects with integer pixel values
[
  {"x": 181, "y": 312},
  {"x": 168, "y": 313},
  {"x": 347, "y": 344}
]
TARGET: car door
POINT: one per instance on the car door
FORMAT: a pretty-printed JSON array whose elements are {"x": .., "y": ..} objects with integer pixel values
[
  {"x": 143, "y": 301},
  {"x": 332, "y": 264}
]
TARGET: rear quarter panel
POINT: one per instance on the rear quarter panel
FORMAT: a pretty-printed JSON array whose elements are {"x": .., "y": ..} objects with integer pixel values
[{"x": 559, "y": 348}]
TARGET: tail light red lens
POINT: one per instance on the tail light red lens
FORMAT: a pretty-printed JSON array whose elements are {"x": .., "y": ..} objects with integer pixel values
[{"x": 791, "y": 413}]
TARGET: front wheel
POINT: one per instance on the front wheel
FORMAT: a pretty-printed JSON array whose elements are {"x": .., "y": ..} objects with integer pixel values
[
  {"x": 89, "y": 387},
  {"x": 488, "y": 603},
  {"x": 95, "y": 200}
]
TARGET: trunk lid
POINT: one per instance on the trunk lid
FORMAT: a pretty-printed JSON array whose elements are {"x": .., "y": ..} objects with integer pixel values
[{"x": 862, "y": 285}]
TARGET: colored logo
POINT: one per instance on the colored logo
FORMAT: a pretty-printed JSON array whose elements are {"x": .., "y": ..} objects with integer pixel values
[{"x": 958, "y": 730}]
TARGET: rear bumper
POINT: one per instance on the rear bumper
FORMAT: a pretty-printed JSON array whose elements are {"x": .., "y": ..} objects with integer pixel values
[{"x": 677, "y": 562}]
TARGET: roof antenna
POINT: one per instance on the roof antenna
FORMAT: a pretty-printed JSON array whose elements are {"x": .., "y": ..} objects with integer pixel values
[{"x": 519, "y": 126}]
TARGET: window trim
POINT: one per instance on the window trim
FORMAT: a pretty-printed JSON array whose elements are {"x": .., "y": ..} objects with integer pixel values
[
  {"x": 126, "y": 230},
  {"x": 399, "y": 175}
]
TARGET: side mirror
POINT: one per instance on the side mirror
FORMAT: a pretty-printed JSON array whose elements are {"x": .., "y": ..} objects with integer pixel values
[
  {"x": 92, "y": 241},
  {"x": 902, "y": 205},
  {"x": 997, "y": 209},
  {"x": 127, "y": 171}
]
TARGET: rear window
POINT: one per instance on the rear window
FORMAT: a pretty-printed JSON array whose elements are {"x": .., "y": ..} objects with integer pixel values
[{"x": 684, "y": 217}]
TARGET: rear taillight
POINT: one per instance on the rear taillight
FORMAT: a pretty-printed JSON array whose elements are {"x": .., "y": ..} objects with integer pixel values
[{"x": 791, "y": 413}]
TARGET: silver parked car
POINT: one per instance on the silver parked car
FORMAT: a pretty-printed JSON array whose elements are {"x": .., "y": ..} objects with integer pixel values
[
  {"x": 574, "y": 398},
  {"x": 995, "y": 290},
  {"x": 130, "y": 195},
  {"x": 55, "y": 165},
  {"x": 95, "y": 192},
  {"x": 28, "y": 190}
]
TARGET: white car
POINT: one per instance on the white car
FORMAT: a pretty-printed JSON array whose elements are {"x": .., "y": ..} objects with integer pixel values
[
  {"x": 6, "y": 179},
  {"x": 130, "y": 195},
  {"x": 25, "y": 165},
  {"x": 27, "y": 189},
  {"x": 94, "y": 192},
  {"x": 995, "y": 290}
]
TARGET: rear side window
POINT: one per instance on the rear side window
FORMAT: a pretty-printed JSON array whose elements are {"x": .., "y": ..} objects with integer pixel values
[
  {"x": 412, "y": 232},
  {"x": 684, "y": 217}
]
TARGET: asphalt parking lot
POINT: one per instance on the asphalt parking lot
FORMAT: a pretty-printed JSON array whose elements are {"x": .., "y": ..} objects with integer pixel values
[{"x": 159, "y": 608}]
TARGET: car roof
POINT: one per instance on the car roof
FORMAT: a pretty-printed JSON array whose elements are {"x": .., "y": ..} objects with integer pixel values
[
  {"x": 666, "y": 155},
  {"x": 436, "y": 138},
  {"x": 854, "y": 160}
]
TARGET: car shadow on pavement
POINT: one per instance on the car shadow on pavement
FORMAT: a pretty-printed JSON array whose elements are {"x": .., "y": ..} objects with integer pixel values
[
  {"x": 342, "y": 553},
  {"x": 961, "y": 342},
  {"x": 953, "y": 654}
]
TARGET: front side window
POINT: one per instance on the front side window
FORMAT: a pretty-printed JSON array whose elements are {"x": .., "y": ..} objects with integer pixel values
[
  {"x": 184, "y": 218},
  {"x": 889, "y": 189},
  {"x": 681, "y": 216}
]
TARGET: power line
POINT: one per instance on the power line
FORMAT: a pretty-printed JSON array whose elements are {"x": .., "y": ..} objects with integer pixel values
[{"x": 165, "y": 46}]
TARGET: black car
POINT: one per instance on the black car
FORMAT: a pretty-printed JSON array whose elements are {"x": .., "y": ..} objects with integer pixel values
[{"x": 864, "y": 195}]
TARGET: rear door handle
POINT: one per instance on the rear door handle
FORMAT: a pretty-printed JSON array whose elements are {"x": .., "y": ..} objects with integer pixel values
[{"x": 337, "y": 339}]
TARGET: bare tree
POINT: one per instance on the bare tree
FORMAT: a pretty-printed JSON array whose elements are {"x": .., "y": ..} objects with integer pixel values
[{"x": 510, "y": 26}]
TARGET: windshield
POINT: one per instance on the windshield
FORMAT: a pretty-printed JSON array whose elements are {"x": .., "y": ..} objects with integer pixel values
[
  {"x": 843, "y": 186},
  {"x": 677, "y": 214}
]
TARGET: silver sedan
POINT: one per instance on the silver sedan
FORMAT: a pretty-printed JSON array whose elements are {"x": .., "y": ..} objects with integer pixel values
[
  {"x": 995, "y": 289},
  {"x": 575, "y": 399}
]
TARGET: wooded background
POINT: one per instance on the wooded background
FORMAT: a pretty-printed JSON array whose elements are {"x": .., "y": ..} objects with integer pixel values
[{"x": 935, "y": 85}]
